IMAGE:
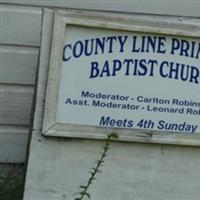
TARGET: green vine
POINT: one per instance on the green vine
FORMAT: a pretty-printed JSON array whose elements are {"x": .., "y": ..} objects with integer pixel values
[{"x": 99, "y": 163}]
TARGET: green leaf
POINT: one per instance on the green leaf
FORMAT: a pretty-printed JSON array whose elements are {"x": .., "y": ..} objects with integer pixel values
[
  {"x": 88, "y": 195},
  {"x": 114, "y": 136},
  {"x": 82, "y": 186}
]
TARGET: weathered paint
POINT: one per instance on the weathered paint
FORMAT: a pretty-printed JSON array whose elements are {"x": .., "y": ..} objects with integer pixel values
[
  {"x": 162, "y": 7},
  {"x": 19, "y": 49},
  {"x": 132, "y": 171},
  {"x": 57, "y": 167}
]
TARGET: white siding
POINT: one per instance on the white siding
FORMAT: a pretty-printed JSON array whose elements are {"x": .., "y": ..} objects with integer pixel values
[
  {"x": 20, "y": 25},
  {"x": 19, "y": 49},
  {"x": 58, "y": 167},
  {"x": 18, "y": 64},
  {"x": 163, "y": 7},
  {"x": 15, "y": 113},
  {"x": 20, "y": 22},
  {"x": 16, "y": 103},
  {"x": 13, "y": 142}
]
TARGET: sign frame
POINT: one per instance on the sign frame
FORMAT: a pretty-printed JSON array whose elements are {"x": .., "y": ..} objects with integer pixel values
[{"x": 137, "y": 23}]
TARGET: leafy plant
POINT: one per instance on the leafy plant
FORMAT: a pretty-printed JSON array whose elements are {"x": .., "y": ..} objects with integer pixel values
[
  {"x": 96, "y": 169},
  {"x": 11, "y": 186}
]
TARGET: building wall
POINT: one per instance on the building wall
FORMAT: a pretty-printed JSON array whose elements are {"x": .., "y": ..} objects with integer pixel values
[
  {"x": 170, "y": 7},
  {"x": 19, "y": 48},
  {"x": 57, "y": 167},
  {"x": 20, "y": 27}
]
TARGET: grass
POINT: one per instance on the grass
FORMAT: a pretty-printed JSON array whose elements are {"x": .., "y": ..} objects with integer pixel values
[{"x": 11, "y": 182}]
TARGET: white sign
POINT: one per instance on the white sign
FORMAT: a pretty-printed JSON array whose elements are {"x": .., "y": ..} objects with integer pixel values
[{"x": 128, "y": 80}]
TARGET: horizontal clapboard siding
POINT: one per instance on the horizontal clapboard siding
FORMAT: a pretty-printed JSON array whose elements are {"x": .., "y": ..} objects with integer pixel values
[
  {"x": 18, "y": 64},
  {"x": 20, "y": 22},
  {"x": 163, "y": 7},
  {"x": 20, "y": 26},
  {"x": 13, "y": 141},
  {"x": 19, "y": 48},
  {"x": 15, "y": 104}
]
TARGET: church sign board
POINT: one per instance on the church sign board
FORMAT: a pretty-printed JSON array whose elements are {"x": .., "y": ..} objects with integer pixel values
[{"x": 138, "y": 78}]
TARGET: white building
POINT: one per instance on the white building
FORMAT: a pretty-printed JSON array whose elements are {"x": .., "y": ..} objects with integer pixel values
[{"x": 58, "y": 166}]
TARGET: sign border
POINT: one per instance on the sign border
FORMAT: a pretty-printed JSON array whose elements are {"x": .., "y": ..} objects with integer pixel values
[{"x": 136, "y": 23}]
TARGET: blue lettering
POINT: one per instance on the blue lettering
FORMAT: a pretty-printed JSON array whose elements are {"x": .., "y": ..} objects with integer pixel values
[
  {"x": 122, "y": 41},
  {"x": 143, "y": 44},
  {"x": 105, "y": 69},
  {"x": 104, "y": 121},
  {"x": 161, "y": 124},
  {"x": 110, "y": 39},
  {"x": 184, "y": 73},
  {"x": 194, "y": 75},
  {"x": 94, "y": 70},
  {"x": 173, "y": 72},
  {"x": 161, "y": 45},
  {"x": 185, "y": 45},
  {"x": 128, "y": 62},
  {"x": 162, "y": 66},
  {"x": 64, "y": 52},
  {"x": 117, "y": 65},
  {"x": 78, "y": 49},
  {"x": 88, "y": 51},
  {"x": 152, "y": 63},
  {"x": 175, "y": 45},
  {"x": 143, "y": 67},
  {"x": 134, "y": 45},
  {"x": 151, "y": 42},
  {"x": 108, "y": 121},
  {"x": 100, "y": 43}
]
